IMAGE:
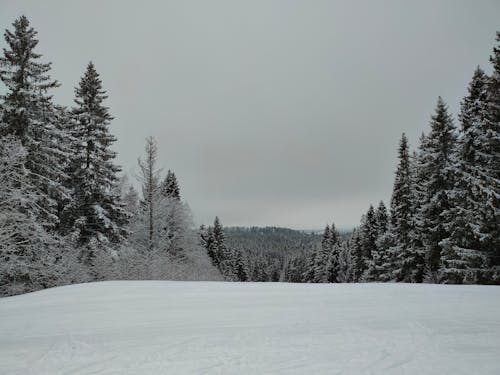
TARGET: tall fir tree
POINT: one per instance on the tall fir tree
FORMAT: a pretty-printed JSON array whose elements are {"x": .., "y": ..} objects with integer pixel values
[
  {"x": 332, "y": 267},
  {"x": 29, "y": 114},
  {"x": 170, "y": 186},
  {"x": 490, "y": 137},
  {"x": 439, "y": 168},
  {"x": 408, "y": 262},
  {"x": 230, "y": 263},
  {"x": 96, "y": 212},
  {"x": 322, "y": 257},
  {"x": 462, "y": 260},
  {"x": 369, "y": 236}
]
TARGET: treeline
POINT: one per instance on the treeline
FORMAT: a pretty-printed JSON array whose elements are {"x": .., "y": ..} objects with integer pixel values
[
  {"x": 443, "y": 224},
  {"x": 66, "y": 213},
  {"x": 268, "y": 251}
]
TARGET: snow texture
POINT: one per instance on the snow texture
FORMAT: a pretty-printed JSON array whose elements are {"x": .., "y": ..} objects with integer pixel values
[{"x": 163, "y": 327}]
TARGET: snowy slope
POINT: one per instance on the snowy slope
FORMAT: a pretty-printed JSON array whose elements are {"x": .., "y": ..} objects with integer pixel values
[{"x": 156, "y": 328}]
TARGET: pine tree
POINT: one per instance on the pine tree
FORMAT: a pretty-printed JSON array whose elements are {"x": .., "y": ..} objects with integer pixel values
[
  {"x": 321, "y": 258},
  {"x": 357, "y": 255},
  {"x": 381, "y": 219},
  {"x": 175, "y": 215},
  {"x": 490, "y": 166},
  {"x": 461, "y": 259},
  {"x": 29, "y": 114},
  {"x": 379, "y": 252},
  {"x": 241, "y": 267},
  {"x": 346, "y": 263},
  {"x": 97, "y": 211},
  {"x": 438, "y": 167},
  {"x": 170, "y": 186},
  {"x": 406, "y": 261},
  {"x": 230, "y": 263},
  {"x": 332, "y": 267},
  {"x": 369, "y": 235}
]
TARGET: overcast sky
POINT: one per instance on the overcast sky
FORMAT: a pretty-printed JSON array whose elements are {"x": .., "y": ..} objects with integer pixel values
[{"x": 283, "y": 113}]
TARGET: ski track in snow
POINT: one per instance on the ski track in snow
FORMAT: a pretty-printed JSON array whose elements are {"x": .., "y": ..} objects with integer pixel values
[{"x": 162, "y": 327}]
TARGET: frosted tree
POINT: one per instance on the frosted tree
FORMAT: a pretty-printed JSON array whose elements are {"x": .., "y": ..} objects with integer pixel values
[
  {"x": 346, "y": 264},
  {"x": 332, "y": 267},
  {"x": 130, "y": 200},
  {"x": 322, "y": 257},
  {"x": 438, "y": 168},
  {"x": 368, "y": 233},
  {"x": 407, "y": 262},
  {"x": 231, "y": 263},
  {"x": 28, "y": 253},
  {"x": 377, "y": 263},
  {"x": 29, "y": 114},
  {"x": 170, "y": 186},
  {"x": 148, "y": 234},
  {"x": 490, "y": 166},
  {"x": 356, "y": 251},
  {"x": 462, "y": 260},
  {"x": 240, "y": 266},
  {"x": 96, "y": 211},
  {"x": 176, "y": 221}
]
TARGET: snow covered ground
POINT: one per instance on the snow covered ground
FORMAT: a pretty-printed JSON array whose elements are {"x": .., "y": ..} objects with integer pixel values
[{"x": 148, "y": 327}]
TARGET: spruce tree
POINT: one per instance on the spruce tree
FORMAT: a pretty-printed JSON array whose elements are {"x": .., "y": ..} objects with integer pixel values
[
  {"x": 369, "y": 235},
  {"x": 438, "y": 168},
  {"x": 332, "y": 267},
  {"x": 321, "y": 259},
  {"x": 407, "y": 262},
  {"x": 462, "y": 260},
  {"x": 379, "y": 253},
  {"x": 29, "y": 114},
  {"x": 490, "y": 166},
  {"x": 345, "y": 273},
  {"x": 170, "y": 186},
  {"x": 97, "y": 211},
  {"x": 356, "y": 250},
  {"x": 229, "y": 262},
  {"x": 175, "y": 215}
]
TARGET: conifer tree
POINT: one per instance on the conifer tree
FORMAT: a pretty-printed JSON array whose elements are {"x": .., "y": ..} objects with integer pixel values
[
  {"x": 406, "y": 260},
  {"x": 345, "y": 273},
  {"x": 356, "y": 250},
  {"x": 490, "y": 166},
  {"x": 369, "y": 234},
  {"x": 96, "y": 212},
  {"x": 230, "y": 262},
  {"x": 375, "y": 267},
  {"x": 332, "y": 267},
  {"x": 438, "y": 168},
  {"x": 461, "y": 259},
  {"x": 321, "y": 259},
  {"x": 176, "y": 214},
  {"x": 29, "y": 114},
  {"x": 170, "y": 186}
]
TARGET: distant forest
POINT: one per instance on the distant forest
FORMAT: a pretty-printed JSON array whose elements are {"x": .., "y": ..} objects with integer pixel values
[{"x": 68, "y": 214}]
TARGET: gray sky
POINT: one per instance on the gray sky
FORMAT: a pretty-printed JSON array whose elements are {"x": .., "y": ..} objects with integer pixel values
[{"x": 283, "y": 113}]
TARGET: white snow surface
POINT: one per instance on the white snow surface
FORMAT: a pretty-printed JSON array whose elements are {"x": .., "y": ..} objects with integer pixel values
[{"x": 163, "y": 327}]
